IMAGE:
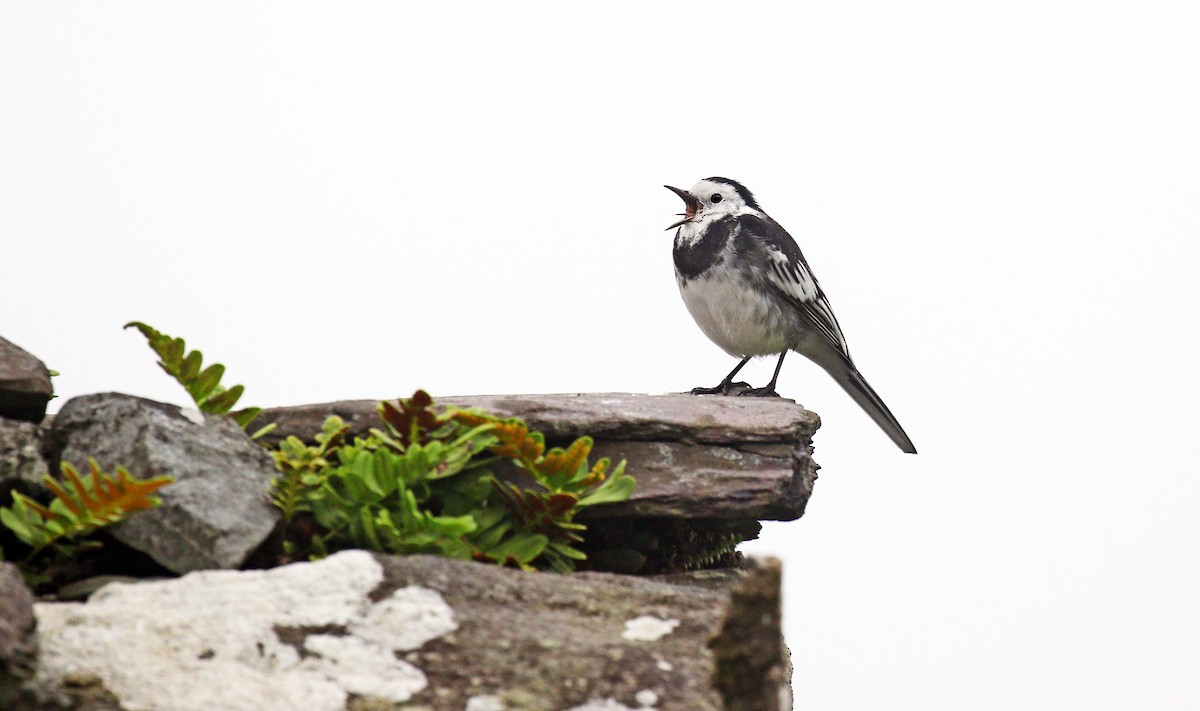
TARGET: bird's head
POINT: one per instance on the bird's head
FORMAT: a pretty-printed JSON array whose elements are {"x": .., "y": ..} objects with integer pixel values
[{"x": 713, "y": 198}]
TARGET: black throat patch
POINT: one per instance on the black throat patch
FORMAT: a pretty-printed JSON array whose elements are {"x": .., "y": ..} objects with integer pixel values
[{"x": 692, "y": 260}]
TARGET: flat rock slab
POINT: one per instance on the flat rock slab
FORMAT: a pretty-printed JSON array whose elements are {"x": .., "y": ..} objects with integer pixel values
[
  {"x": 358, "y": 631},
  {"x": 25, "y": 386},
  {"x": 693, "y": 457},
  {"x": 215, "y": 514}
]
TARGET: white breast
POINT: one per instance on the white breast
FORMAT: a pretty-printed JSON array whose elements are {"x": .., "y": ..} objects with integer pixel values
[{"x": 734, "y": 316}]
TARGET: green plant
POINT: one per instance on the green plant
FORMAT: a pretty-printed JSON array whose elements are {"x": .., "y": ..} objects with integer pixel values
[
  {"x": 81, "y": 506},
  {"x": 564, "y": 484},
  {"x": 421, "y": 483},
  {"x": 203, "y": 384},
  {"x": 425, "y": 482},
  {"x": 303, "y": 468}
]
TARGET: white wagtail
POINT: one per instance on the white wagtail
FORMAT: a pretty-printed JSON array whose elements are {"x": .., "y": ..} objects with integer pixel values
[{"x": 751, "y": 291}]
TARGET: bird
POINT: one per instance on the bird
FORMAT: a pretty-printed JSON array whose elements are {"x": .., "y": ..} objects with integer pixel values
[{"x": 751, "y": 291}]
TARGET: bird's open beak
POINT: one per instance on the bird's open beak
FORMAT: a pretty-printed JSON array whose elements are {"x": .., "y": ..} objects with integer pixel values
[{"x": 693, "y": 205}]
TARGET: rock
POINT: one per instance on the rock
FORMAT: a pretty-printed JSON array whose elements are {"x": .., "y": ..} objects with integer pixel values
[
  {"x": 21, "y": 463},
  {"x": 693, "y": 457},
  {"x": 753, "y": 672},
  {"x": 18, "y": 643},
  {"x": 25, "y": 386},
  {"x": 217, "y": 511},
  {"x": 544, "y": 641},
  {"x": 365, "y": 631},
  {"x": 18, "y": 640}
]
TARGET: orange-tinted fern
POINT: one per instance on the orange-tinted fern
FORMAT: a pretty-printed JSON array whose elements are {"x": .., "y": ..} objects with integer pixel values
[{"x": 81, "y": 505}]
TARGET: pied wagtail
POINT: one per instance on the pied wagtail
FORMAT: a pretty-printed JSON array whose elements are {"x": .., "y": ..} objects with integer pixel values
[{"x": 751, "y": 291}]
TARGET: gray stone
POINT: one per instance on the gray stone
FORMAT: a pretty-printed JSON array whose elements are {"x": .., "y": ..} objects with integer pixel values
[
  {"x": 25, "y": 386},
  {"x": 542, "y": 641},
  {"x": 18, "y": 643},
  {"x": 21, "y": 464},
  {"x": 363, "y": 631},
  {"x": 215, "y": 514},
  {"x": 753, "y": 671},
  {"x": 693, "y": 457}
]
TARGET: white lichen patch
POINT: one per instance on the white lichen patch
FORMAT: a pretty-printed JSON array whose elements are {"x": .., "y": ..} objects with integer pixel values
[
  {"x": 484, "y": 703},
  {"x": 646, "y": 698},
  {"x": 602, "y": 705},
  {"x": 408, "y": 619},
  {"x": 212, "y": 639},
  {"x": 648, "y": 628},
  {"x": 361, "y": 667}
]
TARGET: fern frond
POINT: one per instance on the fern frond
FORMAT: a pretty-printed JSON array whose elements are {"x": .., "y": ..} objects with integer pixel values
[
  {"x": 423, "y": 484},
  {"x": 80, "y": 506},
  {"x": 105, "y": 498},
  {"x": 412, "y": 420},
  {"x": 565, "y": 463},
  {"x": 202, "y": 384}
]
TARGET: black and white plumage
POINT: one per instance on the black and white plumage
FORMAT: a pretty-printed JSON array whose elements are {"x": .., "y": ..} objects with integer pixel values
[{"x": 749, "y": 288}]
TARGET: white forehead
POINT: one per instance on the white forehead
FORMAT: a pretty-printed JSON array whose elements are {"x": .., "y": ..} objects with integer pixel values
[{"x": 705, "y": 189}]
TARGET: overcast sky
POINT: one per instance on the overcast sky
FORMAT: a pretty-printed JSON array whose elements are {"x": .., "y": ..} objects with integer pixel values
[{"x": 1002, "y": 200}]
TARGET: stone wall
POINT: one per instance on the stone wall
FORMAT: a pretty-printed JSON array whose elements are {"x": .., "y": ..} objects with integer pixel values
[{"x": 365, "y": 631}]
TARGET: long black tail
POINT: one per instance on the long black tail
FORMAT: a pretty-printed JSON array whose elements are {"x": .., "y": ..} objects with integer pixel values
[{"x": 857, "y": 386}]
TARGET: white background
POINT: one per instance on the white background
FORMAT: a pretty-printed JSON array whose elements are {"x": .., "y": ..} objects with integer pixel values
[{"x": 1002, "y": 200}]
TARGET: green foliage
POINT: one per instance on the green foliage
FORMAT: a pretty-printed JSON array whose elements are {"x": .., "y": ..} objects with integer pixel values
[
  {"x": 81, "y": 505},
  {"x": 424, "y": 482},
  {"x": 302, "y": 468},
  {"x": 202, "y": 383},
  {"x": 564, "y": 483}
]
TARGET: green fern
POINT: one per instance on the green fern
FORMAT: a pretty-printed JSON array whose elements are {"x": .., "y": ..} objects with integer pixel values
[
  {"x": 202, "y": 384},
  {"x": 423, "y": 483},
  {"x": 81, "y": 505},
  {"x": 565, "y": 483},
  {"x": 303, "y": 468}
]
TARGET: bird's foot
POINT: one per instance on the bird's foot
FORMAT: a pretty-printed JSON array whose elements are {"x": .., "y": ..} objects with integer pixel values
[
  {"x": 724, "y": 388},
  {"x": 768, "y": 391}
]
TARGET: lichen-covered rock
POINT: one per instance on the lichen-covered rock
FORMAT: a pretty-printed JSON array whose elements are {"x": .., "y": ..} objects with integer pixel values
[
  {"x": 21, "y": 463},
  {"x": 549, "y": 642},
  {"x": 25, "y": 386},
  {"x": 361, "y": 631},
  {"x": 305, "y": 636},
  {"x": 693, "y": 457},
  {"x": 215, "y": 514}
]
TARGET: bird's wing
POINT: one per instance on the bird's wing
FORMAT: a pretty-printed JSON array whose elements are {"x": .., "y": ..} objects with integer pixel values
[{"x": 789, "y": 273}]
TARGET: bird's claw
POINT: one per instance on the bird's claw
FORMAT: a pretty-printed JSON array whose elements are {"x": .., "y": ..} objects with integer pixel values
[
  {"x": 759, "y": 392},
  {"x": 722, "y": 389}
]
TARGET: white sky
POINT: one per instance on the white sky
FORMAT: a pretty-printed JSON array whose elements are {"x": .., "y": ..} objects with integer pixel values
[{"x": 354, "y": 200}]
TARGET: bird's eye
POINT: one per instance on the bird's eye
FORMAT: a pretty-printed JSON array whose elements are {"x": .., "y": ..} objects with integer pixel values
[{"x": 716, "y": 198}]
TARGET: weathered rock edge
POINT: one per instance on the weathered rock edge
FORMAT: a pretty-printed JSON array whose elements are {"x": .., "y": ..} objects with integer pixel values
[
  {"x": 25, "y": 385},
  {"x": 694, "y": 457},
  {"x": 753, "y": 669}
]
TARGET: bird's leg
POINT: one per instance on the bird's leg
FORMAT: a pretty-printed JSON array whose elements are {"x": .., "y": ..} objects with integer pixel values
[
  {"x": 726, "y": 384},
  {"x": 769, "y": 390}
]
